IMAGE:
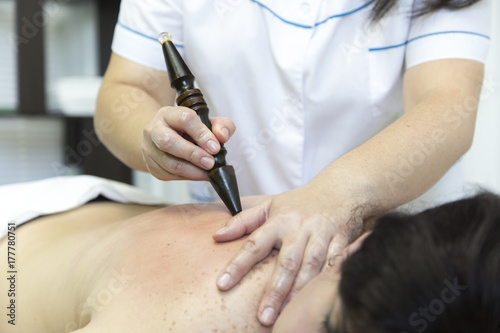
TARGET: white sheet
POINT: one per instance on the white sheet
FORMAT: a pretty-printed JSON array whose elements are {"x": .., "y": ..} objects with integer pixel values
[{"x": 23, "y": 202}]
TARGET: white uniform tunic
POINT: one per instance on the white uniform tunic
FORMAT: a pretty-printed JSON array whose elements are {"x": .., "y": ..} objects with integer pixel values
[{"x": 305, "y": 81}]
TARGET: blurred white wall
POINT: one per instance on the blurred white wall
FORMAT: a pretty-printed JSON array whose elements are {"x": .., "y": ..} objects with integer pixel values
[{"x": 482, "y": 162}]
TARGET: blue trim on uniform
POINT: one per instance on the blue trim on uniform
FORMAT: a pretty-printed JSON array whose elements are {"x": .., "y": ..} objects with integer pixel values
[
  {"x": 316, "y": 24},
  {"x": 345, "y": 14},
  {"x": 279, "y": 17},
  {"x": 427, "y": 35},
  {"x": 141, "y": 34}
]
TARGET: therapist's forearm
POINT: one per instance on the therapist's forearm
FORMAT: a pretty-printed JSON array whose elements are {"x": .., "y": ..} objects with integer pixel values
[
  {"x": 403, "y": 161},
  {"x": 130, "y": 96},
  {"x": 122, "y": 112},
  {"x": 408, "y": 157}
]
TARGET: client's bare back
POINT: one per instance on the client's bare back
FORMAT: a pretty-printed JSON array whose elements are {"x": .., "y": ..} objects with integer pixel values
[{"x": 154, "y": 272}]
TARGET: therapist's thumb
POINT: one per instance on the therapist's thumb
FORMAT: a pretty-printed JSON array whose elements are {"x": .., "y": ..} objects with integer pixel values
[
  {"x": 223, "y": 128},
  {"x": 244, "y": 223}
]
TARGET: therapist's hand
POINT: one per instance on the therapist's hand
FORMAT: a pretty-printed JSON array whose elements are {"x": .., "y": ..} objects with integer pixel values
[
  {"x": 176, "y": 145},
  {"x": 309, "y": 228}
]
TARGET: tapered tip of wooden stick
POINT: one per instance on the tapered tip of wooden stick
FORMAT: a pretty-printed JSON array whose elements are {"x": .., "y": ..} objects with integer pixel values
[{"x": 223, "y": 180}]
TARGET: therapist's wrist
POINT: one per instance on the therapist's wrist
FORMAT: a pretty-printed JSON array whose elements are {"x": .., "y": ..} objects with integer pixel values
[{"x": 348, "y": 192}]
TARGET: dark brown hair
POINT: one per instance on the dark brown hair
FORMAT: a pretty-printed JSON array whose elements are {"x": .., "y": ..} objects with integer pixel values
[
  {"x": 436, "y": 271},
  {"x": 382, "y": 7}
]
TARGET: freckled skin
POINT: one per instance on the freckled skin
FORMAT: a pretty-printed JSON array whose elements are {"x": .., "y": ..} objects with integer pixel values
[{"x": 167, "y": 259}]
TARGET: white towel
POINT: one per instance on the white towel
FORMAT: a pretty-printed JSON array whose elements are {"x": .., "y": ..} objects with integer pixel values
[{"x": 23, "y": 202}]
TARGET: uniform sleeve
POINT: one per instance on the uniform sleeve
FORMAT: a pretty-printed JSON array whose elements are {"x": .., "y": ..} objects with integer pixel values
[
  {"x": 139, "y": 24},
  {"x": 445, "y": 34}
]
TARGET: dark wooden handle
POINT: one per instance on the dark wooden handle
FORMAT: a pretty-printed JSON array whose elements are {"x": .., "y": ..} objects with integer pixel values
[{"x": 193, "y": 99}]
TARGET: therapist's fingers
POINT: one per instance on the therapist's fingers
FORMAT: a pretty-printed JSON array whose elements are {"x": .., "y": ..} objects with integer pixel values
[
  {"x": 349, "y": 231},
  {"x": 244, "y": 223},
  {"x": 312, "y": 263},
  {"x": 287, "y": 267},
  {"x": 257, "y": 247},
  {"x": 223, "y": 128},
  {"x": 336, "y": 248},
  {"x": 157, "y": 171},
  {"x": 167, "y": 154},
  {"x": 170, "y": 142},
  {"x": 315, "y": 260},
  {"x": 166, "y": 167},
  {"x": 185, "y": 120}
]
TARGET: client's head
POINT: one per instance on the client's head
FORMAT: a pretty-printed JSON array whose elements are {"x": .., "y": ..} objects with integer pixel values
[{"x": 436, "y": 271}]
